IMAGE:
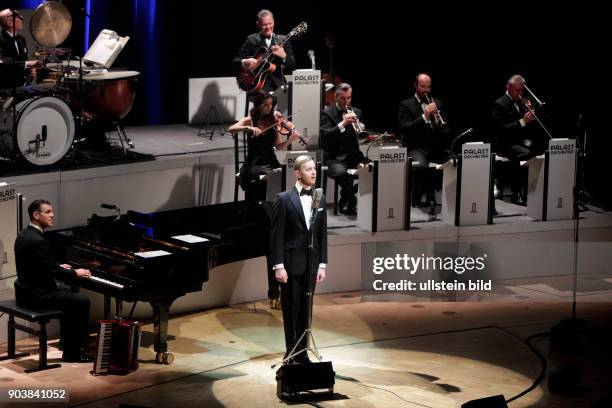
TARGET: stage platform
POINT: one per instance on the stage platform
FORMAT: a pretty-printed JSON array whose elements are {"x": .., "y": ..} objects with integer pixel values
[
  {"x": 179, "y": 166},
  {"x": 437, "y": 348}
]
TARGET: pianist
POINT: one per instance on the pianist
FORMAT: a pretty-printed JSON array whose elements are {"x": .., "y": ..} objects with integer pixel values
[
  {"x": 36, "y": 286},
  {"x": 298, "y": 242}
]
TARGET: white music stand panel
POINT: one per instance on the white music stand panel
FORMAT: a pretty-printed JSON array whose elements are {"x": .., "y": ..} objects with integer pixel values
[
  {"x": 215, "y": 100},
  {"x": 8, "y": 231},
  {"x": 306, "y": 105}
]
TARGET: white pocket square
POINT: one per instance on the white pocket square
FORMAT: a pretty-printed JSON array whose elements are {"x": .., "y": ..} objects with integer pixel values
[{"x": 319, "y": 209}]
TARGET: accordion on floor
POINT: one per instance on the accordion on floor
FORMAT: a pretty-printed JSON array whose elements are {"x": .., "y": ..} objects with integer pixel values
[{"x": 118, "y": 343}]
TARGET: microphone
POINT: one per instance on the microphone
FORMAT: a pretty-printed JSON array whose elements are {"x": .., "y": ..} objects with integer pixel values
[
  {"x": 44, "y": 135},
  {"x": 458, "y": 137},
  {"x": 311, "y": 55},
  {"x": 108, "y": 206},
  {"x": 316, "y": 197}
]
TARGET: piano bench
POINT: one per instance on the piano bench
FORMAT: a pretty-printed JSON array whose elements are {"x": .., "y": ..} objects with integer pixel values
[{"x": 42, "y": 317}]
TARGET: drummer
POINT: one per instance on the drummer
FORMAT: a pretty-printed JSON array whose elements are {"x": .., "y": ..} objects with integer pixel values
[{"x": 15, "y": 68}]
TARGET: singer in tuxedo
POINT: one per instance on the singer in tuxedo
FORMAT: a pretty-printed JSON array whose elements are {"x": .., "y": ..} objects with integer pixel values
[
  {"x": 14, "y": 62},
  {"x": 340, "y": 147},
  {"x": 298, "y": 241},
  {"x": 36, "y": 286},
  {"x": 516, "y": 134},
  {"x": 425, "y": 135},
  {"x": 282, "y": 56}
]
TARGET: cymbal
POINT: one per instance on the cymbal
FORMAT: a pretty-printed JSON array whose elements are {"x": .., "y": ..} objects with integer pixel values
[{"x": 50, "y": 24}]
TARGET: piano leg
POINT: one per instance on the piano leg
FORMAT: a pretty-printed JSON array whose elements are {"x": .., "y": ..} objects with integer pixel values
[
  {"x": 161, "y": 313},
  {"x": 107, "y": 306}
]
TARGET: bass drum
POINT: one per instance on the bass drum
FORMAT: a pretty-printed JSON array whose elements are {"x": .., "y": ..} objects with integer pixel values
[{"x": 43, "y": 133}]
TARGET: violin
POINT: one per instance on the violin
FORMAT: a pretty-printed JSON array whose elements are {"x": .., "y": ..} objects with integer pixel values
[{"x": 282, "y": 126}]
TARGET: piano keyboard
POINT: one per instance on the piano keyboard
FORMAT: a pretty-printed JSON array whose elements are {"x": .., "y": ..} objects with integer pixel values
[{"x": 106, "y": 282}]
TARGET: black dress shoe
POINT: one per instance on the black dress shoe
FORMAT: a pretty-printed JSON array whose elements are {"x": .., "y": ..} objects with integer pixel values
[
  {"x": 76, "y": 357},
  {"x": 351, "y": 211}
]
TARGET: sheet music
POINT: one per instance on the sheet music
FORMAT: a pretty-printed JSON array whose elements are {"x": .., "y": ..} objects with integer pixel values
[
  {"x": 106, "y": 48},
  {"x": 152, "y": 254},
  {"x": 191, "y": 239}
]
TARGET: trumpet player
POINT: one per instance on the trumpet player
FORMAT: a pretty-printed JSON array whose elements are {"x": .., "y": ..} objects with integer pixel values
[
  {"x": 516, "y": 132},
  {"x": 426, "y": 134},
  {"x": 340, "y": 127}
]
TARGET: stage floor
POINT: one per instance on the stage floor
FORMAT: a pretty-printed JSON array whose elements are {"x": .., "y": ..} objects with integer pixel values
[{"x": 392, "y": 354}]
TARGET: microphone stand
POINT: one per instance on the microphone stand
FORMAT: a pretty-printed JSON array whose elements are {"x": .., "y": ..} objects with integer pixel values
[
  {"x": 15, "y": 70},
  {"x": 454, "y": 142},
  {"x": 565, "y": 333}
]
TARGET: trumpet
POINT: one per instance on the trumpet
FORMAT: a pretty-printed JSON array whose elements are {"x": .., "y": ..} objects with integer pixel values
[
  {"x": 362, "y": 134},
  {"x": 437, "y": 116}
]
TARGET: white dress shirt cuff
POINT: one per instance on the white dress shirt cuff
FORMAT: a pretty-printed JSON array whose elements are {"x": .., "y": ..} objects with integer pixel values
[
  {"x": 278, "y": 266},
  {"x": 522, "y": 122},
  {"x": 322, "y": 266}
]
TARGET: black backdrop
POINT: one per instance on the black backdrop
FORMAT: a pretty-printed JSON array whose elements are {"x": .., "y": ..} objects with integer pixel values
[{"x": 469, "y": 49}]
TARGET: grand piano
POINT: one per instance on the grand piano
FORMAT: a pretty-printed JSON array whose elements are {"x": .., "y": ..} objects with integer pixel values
[{"x": 161, "y": 256}]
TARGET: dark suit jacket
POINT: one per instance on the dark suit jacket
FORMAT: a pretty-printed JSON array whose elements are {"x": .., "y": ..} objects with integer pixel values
[
  {"x": 12, "y": 69},
  {"x": 505, "y": 123},
  {"x": 36, "y": 268},
  {"x": 338, "y": 145},
  {"x": 256, "y": 41},
  {"x": 416, "y": 133},
  {"x": 290, "y": 238}
]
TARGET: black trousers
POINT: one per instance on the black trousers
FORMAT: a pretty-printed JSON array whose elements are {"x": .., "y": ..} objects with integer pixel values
[
  {"x": 336, "y": 169},
  {"x": 297, "y": 309},
  {"x": 74, "y": 329},
  {"x": 519, "y": 175},
  {"x": 425, "y": 179}
]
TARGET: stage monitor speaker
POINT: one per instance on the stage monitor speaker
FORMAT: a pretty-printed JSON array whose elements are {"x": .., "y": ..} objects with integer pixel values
[
  {"x": 497, "y": 401},
  {"x": 294, "y": 378}
]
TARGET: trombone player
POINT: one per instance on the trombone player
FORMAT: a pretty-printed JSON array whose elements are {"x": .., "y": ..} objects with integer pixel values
[
  {"x": 426, "y": 134},
  {"x": 517, "y": 134},
  {"x": 341, "y": 126}
]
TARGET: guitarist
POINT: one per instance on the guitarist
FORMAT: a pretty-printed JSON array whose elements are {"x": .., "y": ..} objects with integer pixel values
[{"x": 282, "y": 56}]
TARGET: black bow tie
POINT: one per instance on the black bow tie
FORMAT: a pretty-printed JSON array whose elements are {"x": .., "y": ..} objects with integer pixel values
[{"x": 306, "y": 192}]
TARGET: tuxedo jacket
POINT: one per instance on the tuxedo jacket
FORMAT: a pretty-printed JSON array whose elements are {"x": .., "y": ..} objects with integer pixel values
[
  {"x": 36, "y": 268},
  {"x": 12, "y": 66},
  {"x": 506, "y": 125},
  {"x": 290, "y": 239},
  {"x": 339, "y": 145},
  {"x": 416, "y": 133},
  {"x": 256, "y": 41}
]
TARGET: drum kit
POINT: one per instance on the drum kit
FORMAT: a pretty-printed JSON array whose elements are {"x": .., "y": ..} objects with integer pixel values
[{"x": 38, "y": 124}]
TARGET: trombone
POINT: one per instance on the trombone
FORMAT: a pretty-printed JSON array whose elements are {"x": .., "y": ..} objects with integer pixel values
[
  {"x": 362, "y": 134},
  {"x": 527, "y": 103}
]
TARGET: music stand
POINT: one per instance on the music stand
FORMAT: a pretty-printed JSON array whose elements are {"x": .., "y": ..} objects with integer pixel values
[{"x": 211, "y": 117}]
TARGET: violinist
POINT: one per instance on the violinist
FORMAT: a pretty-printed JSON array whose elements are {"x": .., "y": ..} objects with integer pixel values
[
  {"x": 267, "y": 131},
  {"x": 282, "y": 56},
  {"x": 517, "y": 134}
]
